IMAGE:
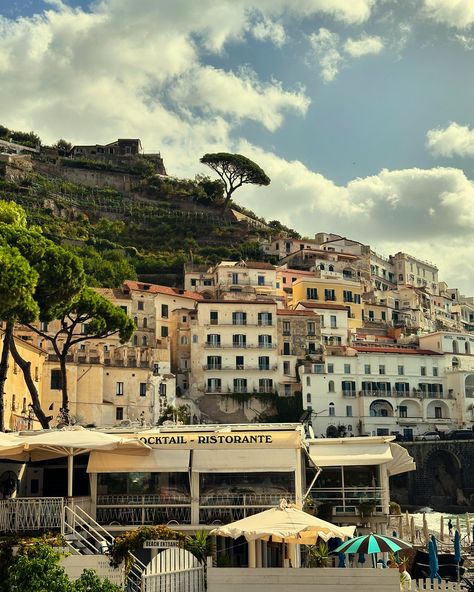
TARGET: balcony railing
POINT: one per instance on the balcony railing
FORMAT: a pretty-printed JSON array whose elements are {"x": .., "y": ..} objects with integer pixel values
[
  {"x": 240, "y": 346},
  {"x": 269, "y": 368},
  {"x": 241, "y": 324},
  {"x": 143, "y": 509},
  {"x": 228, "y": 507},
  {"x": 349, "y": 499},
  {"x": 31, "y": 514}
]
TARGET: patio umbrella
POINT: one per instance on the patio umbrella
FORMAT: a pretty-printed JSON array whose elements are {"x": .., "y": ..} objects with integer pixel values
[
  {"x": 457, "y": 551},
  {"x": 10, "y": 444},
  {"x": 286, "y": 524},
  {"x": 433, "y": 558},
  {"x": 71, "y": 442},
  {"x": 373, "y": 543}
]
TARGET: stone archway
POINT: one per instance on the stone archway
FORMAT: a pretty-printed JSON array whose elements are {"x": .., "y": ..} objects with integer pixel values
[{"x": 443, "y": 471}]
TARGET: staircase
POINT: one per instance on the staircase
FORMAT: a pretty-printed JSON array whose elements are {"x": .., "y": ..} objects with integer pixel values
[{"x": 84, "y": 536}]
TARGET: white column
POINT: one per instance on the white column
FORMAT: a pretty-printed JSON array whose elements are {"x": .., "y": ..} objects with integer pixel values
[
  {"x": 252, "y": 554},
  {"x": 298, "y": 479},
  {"x": 70, "y": 474}
]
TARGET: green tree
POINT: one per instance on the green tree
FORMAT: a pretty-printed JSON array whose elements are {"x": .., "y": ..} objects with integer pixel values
[
  {"x": 234, "y": 170},
  {"x": 38, "y": 570},
  {"x": 89, "y": 581},
  {"x": 91, "y": 316},
  {"x": 63, "y": 147}
]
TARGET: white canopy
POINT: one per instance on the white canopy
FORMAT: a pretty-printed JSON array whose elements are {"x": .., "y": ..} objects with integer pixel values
[
  {"x": 284, "y": 523},
  {"x": 10, "y": 444},
  {"x": 401, "y": 462},
  {"x": 342, "y": 452},
  {"x": 244, "y": 461},
  {"x": 167, "y": 461}
]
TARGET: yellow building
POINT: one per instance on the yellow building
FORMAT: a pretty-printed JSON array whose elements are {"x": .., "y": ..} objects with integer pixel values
[
  {"x": 18, "y": 414},
  {"x": 330, "y": 286}
]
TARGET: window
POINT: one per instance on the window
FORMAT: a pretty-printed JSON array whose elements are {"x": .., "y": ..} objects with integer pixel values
[
  {"x": 330, "y": 368},
  {"x": 193, "y": 282},
  {"x": 214, "y": 362},
  {"x": 119, "y": 388},
  {"x": 308, "y": 397},
  {"x": 56, "y": 380},
  {"x": 264, "y": 340},
  {"x": 265, "y": 385},
  {"x": 311, "y": 328},
  {"x": 43, "y": 326},
  {"x": 239, "y": 362},
  {"x": 239, "y": 340},
  {"x": 214, "y": 385},
  {"x": 183, "y": 340},
  {"x": 239, "y": 318},
  {"x": 367, "y": 369},
  {"x": 347, "y": 295},
  {"x": 318, "y": 368},
  {"x": 145, "y": 341},
  {"x": 162, "y": 389},
  {"x": 438, "y": 413},
  {"x": 214, "y": 317},
  {"x": 312, "y": 293},
  {"x": 332, "y": 410},
  {"x": 135, "y": 340},
  {"x": 240, "y": 385},
  {"x": 311, "y": 347},
  {"x": 207, "y": 282},
  {"x": 36, "y": 374},
  {"x": 435, "y": 371},
  {"x": 331, "y": 386},
  {"x": 383, "y": 315},
  {"x": 184, "y": 319},
  {"x": 348, "y": 410},
  {"x": 308, "y": 381},
  {"x": 467, "y": 348},
  {"x": 402, "y": 411},
  {"x": 286, "y": 370},
  {"x": 371, "y": 315},
  {"x": 195, "y": 339},
  {"x": 140, "y": 305},
  {"x": 401, "y": 370},
  {"x": 145, "y": 323},
  {"x": 164, "y": 311},
  {"x": 356, "y": 298},
  {"x": 423, "y": 370},
  {"x": 164, "y": 331},
  {"x": 333, "y": 322},
  {"x": 265, "y": 318},
  {"x": 347, "y": 368},
  {"x": 261, "y": 280},
  {"x": 381, "y": 369},
  {"x": 142, "y": 389},
  {"x": 286, "y": 328},
  {"x": 235, "y": 278},
  {"x": 264, "y": 363},
  {"x": 286, "y": 348},
  {"x": 329, "y": 295},
  {"x": 119, "y": 413}
]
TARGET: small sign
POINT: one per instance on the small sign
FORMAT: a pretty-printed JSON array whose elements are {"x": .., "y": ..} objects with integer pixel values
[{"x": 160, "y": 544}]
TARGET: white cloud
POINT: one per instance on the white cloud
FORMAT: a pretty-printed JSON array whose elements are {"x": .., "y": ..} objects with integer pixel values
[
  {"x": 454, "y": 140},
  {"x": 357, "y": 48},
  {"x": 325, "y": 51},
  {"x": 454, "y": 13},
  {"x": 467, "y": 41},
  {"x": 266, "y": 29}
]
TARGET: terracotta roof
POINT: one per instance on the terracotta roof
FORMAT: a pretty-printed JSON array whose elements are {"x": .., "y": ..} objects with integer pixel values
[
  {"x": 291, "y": 312},
  {"x": 394, "y": 350},
  {"x": 323, "y": 305},
  {"x": 112, "y": 293},
  {"x": 295, "y": 271},
  {"x": 259, "y": 265},
  {"x": 214, "y": 301},
  {"x": 157, "y": 289}
]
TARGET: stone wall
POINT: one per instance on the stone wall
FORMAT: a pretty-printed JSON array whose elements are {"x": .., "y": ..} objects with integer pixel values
[{"x": 15, "y": 167}]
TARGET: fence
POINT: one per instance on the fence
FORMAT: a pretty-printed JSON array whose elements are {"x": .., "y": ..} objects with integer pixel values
[
  {"x": 422, "y": 585},
  {"x": 27, "y": 514},
  {"x": 174, "y": 570}
]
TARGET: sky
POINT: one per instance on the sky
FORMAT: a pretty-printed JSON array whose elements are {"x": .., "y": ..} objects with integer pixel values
[{"x": 360, "y": 111}]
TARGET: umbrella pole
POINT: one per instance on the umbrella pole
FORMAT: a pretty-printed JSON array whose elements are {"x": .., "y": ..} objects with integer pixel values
[{"x": 70, "y": 474}]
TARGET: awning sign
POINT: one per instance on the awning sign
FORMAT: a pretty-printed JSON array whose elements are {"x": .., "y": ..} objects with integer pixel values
[{"x": 210, "y": 440}]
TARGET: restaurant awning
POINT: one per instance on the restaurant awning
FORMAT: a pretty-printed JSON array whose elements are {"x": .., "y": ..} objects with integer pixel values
[
  {"x": 243, "y": 461},
  {"x": 157, "y": 461},
  {"x": 401, "y": 462},
  {"x": 339, "y": 452}
]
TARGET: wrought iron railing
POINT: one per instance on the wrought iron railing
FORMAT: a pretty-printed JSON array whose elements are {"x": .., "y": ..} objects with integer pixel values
[
  {"x": 228, "y": 507},
  {"x": 143, "y": 509},
  {"x": 31, "y": 514}
]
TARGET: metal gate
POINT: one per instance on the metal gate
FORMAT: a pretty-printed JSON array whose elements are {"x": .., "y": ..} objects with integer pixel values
[{"x": 174, "y": 570}]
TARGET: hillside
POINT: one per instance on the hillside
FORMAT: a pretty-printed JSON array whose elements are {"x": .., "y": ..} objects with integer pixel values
[{"x": 131, "y": 222}]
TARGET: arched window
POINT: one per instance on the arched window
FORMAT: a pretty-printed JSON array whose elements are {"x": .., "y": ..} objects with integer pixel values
[
  {"x": 321, "y": 266},
  {"x": 135, "y": 340},
  {"x": 184, "y": 340},
  {"x": 467, "y": 348},
  {"x": 145, "y": 322},
  {"x": 455, "y": 363},
  {"x": 455, "y": 347},
  {"x": 135, "y": 320},
  {"x": 331, "y": 268},
  {"x": 144, "y": 341},
  {"x": 331, "y": 386},
  {"x": 332, "y": 410},
  {"x": 308, "y": 398},
  {"x": 308, "y": 381}
]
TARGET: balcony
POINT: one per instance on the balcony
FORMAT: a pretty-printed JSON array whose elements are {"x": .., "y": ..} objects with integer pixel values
[
  {"x": 240, "y": 346},
  {"x": 228, "y": 507},
  {"x": 143, "y": 509},
  {"x": 410, "y": 420},
  {"x": 348, "y": 500},
  {"x": 269, "y": 368},
  {"x": 241, "y": 324},
  {"x": 349, "y": 393}
]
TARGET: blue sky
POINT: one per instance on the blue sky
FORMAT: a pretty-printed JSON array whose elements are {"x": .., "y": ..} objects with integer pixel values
[{"x": 361, "y": 112}]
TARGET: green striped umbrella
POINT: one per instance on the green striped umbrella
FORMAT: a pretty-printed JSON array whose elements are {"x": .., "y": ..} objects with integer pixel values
[{"x": 372, "y": 543}]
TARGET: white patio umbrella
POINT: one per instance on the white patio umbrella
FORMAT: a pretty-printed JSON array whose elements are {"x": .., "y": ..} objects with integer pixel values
[
  {"x": 71, "y": 442},
  {"x": 10, "y": 444}
]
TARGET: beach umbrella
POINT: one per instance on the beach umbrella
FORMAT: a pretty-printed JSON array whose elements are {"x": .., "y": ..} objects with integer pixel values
[
  {"x": 457, "y": 551},
  {"x": 433, "y": 557},
  {"x": 426, "y": 533},
  {"x": 373, "y": 543}
]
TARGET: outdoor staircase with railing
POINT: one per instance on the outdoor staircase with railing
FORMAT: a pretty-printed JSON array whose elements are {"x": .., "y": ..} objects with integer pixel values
[{"x": 85, "y": 536}]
